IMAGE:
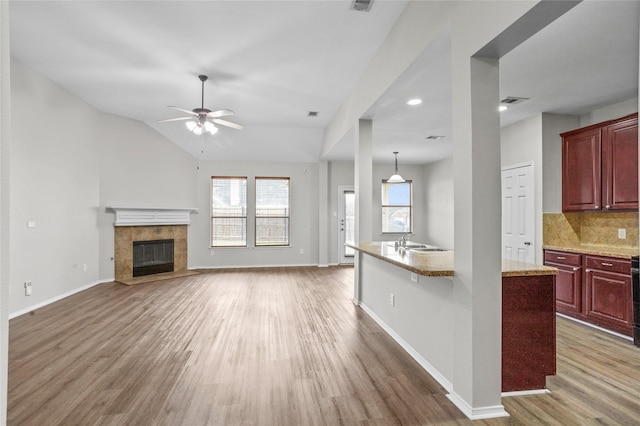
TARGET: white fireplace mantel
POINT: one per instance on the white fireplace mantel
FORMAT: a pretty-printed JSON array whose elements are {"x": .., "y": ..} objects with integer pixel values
[{"x": 133, "y": 216}]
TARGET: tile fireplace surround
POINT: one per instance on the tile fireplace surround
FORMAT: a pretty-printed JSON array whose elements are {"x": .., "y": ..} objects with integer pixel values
[
  {"x": 146, "y": 225},
  {"x": 126, "y": 235}
]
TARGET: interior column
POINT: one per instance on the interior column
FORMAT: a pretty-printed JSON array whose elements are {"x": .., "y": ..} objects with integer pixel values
[
  {"x": 477, "y": 280},
  {"x": 363, "y": 185}
]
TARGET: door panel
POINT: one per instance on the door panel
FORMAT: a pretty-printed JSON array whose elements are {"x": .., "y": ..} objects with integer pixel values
[{"x": 518, "y": 221}]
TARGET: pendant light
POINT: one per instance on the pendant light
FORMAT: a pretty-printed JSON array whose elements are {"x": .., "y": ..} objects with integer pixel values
[{"x": 395, "y": 177}]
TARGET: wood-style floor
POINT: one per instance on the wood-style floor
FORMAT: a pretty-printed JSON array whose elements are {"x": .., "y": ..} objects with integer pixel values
[{"x": 280, "y": 346}]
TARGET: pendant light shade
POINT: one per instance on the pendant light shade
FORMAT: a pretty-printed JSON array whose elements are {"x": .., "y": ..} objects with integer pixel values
[{"x": 395, "y": 177}]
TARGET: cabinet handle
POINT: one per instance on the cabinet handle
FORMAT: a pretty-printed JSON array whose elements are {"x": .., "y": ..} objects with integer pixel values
[
  {"x": 607, "y": 264},
  {"x": 607, "y": 206},
  {"x": 561, "y": 258},
  {"x": 597, "y": 207},
  {"x": 575, "y": 269}
]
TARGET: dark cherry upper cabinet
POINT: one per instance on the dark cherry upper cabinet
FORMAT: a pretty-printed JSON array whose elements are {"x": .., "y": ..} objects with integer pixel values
[
  {"x": 600, "y": 166},
  {"x": 581, "y": 170},
  {"x": 620, "y": 165}
]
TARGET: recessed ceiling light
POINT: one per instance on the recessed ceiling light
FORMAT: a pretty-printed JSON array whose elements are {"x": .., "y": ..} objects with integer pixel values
[
  {"x": 503, "y": 108},
  {"x": 414, "y": 102}
]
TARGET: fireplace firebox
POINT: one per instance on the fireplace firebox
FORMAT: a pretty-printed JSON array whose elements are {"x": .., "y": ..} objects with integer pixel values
[{"x": 152, "y": 257}]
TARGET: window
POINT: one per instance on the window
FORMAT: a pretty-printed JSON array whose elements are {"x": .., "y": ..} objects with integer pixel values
[
  {"x": 272, "y": 211},
  {"x": 228, "y": 211},
  {"x": 397, "y": 202}
]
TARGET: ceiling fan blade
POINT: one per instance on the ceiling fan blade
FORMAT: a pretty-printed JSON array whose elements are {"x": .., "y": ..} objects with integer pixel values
[
  {"x": 184, "y": 110},
  {"x": 220, "y": 113},
  {"x": 228, "y": 123},
  {"x": 175, "y": 119}
]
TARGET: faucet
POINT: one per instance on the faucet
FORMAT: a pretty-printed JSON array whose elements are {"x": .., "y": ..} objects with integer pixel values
[{"x": 403, "y": 240}]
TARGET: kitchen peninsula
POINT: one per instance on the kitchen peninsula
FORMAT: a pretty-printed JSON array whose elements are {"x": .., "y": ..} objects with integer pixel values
[{"x": 409, "y": 293}]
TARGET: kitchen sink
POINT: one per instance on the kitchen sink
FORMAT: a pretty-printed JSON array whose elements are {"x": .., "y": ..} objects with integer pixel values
[
  {"x": 427, "y": 248},
  {"x": 411, "y": 246}
]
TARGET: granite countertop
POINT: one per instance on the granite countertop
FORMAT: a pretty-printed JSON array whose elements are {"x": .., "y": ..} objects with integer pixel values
[
  {"x": 596, "y": 249},
  {"x": 440, "y": 263}
]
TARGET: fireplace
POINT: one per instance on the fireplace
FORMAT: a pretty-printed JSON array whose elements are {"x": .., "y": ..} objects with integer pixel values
[
  {"x": 152, "y": 257},
  {"x": 147, "y": 232}
]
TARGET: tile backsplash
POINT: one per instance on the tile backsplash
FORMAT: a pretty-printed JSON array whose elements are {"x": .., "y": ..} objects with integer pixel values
[{"x": 570, "y": 229}]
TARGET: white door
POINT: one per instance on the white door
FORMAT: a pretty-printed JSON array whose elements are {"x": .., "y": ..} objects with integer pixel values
[
  {"x": 518, "y": 221},
  {"x": 346, "y": 223}
]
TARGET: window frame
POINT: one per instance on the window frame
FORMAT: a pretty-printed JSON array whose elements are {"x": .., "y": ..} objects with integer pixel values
[
  {"x": 287, "y": 217},
  {"x": 245, "y": 216},
  {"x": 409, "y": 206}
]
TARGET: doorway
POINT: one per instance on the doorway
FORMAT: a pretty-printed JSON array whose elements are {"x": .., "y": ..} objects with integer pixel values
[
  {"x": 518, "y": 219},
  {"x": 346, "y": 223}
]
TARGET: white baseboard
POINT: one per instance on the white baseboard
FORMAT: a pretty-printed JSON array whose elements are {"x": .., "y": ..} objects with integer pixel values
[
  {"x": 622, "y": 336},
  {"x": 301, "y": 265},
  {"x": 490, "y": 412},
  {"x": 526, "y": 392},
  {"x": 433, "y": 372},
  {"x": 470, "y": 412},
  {"x": 55, "y": 299}
]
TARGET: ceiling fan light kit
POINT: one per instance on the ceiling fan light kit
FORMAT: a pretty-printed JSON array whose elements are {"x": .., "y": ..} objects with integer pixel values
[{"x": 201, "y": 120}]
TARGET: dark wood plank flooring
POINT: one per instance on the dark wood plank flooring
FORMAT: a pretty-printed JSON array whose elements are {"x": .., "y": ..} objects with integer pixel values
[{"x": 276, "y": 346}]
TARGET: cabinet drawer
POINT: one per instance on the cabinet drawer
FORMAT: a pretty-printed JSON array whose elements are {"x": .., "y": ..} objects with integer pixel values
[
  {"x": 621, "y": 266},
  {"x": 562, "y": 258}
]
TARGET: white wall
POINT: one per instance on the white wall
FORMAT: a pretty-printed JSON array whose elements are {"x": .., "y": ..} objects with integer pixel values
[
  {"x": 54, "y": 183},
  {"x": 64, "y": 171},
  {"x": 5, "y": 134},
  {"x": 610, "y": 112},
  {"x": 304, "y": 217},
  {"x": 438, "y": 210},
  {"x": 138, "y": 168}
]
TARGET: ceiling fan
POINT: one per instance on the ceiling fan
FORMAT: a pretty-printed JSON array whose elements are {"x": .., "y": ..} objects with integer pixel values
[{"x": 201, "y": 119}]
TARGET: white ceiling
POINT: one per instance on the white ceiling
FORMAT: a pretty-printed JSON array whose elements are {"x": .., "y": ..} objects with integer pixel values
[{"x": 273, "y": 61}]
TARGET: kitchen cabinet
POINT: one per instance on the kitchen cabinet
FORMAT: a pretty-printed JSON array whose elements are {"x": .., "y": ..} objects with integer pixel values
[
  {"x": 600, "y": 166},
  {"x": 607, "y": 285},
  {"x": 595, "y": 289},
  {"x": 568, "y": 280}
]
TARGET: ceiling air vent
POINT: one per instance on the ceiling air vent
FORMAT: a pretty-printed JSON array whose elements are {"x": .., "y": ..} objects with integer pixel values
[
  {"x": 312, "y": 114},
  {"x": 513, "y": 100},
  {"x": 361, "y": 5}
]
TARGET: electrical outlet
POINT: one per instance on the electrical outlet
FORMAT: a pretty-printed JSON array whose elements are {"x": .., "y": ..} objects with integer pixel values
[
  {"x": 27, "y": 288},
  {"x": 84, "y": 267},
  {"x": 212, "y": 252},
  {"x": 414, "y": 277},
  {"x": 622, "y": 233},
  {"x": 392, "y": 299},
  {"x": 301, "y": 251}
]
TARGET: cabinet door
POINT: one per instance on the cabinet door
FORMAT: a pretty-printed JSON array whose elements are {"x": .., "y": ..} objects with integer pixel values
[
  {"x": 581, "y": 170},
  {"x": 568, "y": 288},
  {"x": 608, "y": 299},
  {"x": 568, "y": 280},
  {"x": 620, "y": 166}
]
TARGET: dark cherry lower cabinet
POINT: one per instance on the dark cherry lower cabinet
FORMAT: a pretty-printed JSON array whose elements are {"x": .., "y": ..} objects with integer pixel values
[
  {"x": 595, "y": 289},
  {"x": 568, "y": 280},
  {"x": 607, "y": 285}
]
